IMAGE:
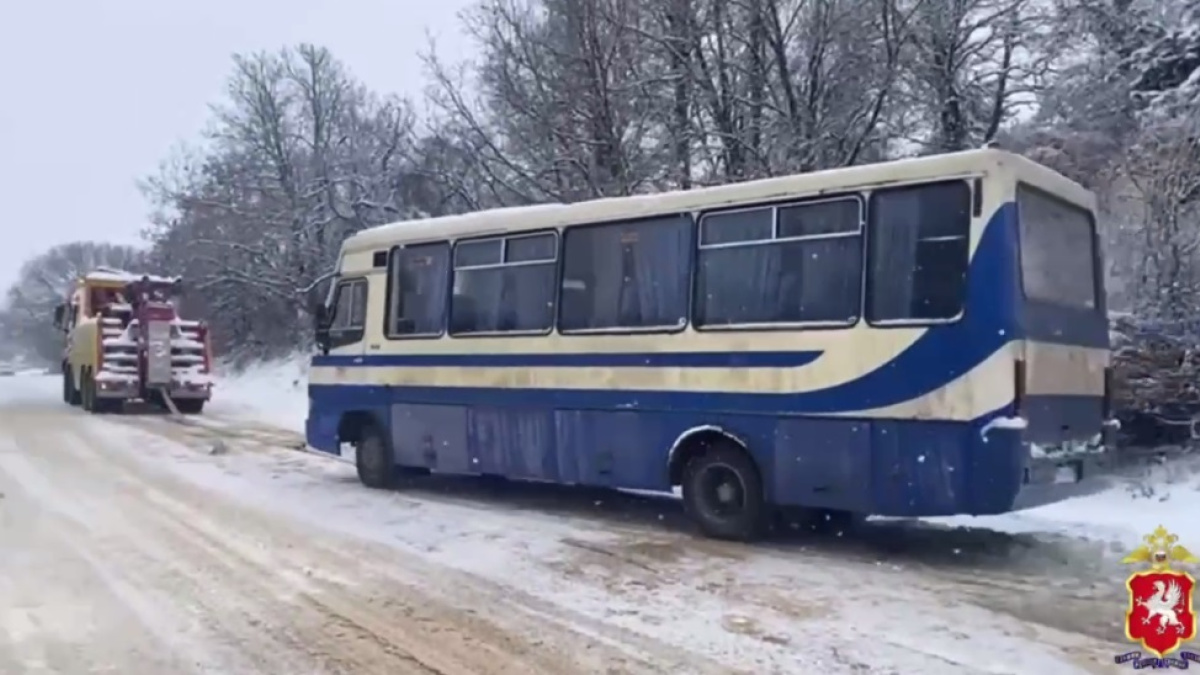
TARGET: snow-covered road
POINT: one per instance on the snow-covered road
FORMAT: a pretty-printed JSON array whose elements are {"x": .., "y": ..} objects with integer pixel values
[{"x": 130, "y": 546}]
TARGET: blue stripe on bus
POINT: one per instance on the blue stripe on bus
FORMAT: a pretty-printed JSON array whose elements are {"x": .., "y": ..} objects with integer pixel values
[
  {"x": 352, "y": 396},
  {"x": 790, "y": 359}
]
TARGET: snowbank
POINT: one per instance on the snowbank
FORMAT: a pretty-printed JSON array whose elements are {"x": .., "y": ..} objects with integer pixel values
[
  {"x": 1166, "y": 494},
  {"x": 275, "y": 393}
]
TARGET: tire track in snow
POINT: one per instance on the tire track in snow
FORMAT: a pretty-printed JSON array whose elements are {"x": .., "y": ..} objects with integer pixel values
[{"x": 628, "y": 572}]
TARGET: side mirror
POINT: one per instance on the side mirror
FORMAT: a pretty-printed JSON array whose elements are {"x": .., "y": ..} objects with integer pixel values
[
  {"x": 60, "y": 312},
  {"x": 320, "y": 316}
]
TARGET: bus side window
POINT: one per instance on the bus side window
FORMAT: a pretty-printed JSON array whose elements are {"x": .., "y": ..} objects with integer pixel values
[
  {"x": 626, "y": 275},
  {"x": 419, "y": 280},
  {"x": 504, "y": 285},
  {"x": 918, "y": 252},
  {"x": 792, "y": 264},
  {"x": 349, "y": 313}
]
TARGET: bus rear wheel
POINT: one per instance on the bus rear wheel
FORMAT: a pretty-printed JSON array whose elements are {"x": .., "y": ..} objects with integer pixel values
[
  {"x": 373, "y": 459},
  {"x": 723, "y": 493}
]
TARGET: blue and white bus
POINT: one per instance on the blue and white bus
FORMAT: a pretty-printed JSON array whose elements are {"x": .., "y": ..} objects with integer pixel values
[{"x": 912, "y": 338}]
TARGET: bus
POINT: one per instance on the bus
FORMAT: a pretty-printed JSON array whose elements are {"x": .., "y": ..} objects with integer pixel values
[{"x": 920, "y": 337}]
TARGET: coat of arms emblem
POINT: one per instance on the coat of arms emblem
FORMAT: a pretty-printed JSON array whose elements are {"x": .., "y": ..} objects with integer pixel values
[{"x": 1161, "y": 617}]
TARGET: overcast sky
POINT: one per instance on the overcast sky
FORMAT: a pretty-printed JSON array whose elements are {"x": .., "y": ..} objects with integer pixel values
[{"x": 94, "y": 93}]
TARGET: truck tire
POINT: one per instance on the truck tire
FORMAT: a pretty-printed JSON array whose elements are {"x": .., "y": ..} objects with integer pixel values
[
  {"x": 373, "y": 459},
  {"x": 93, "y": 403},
  {"x": 66, "y": 383},
  {"x": 87, "y": 394},
  {"x": 89, "y": 401},
  {"x": 723, "y": 493},
  {"x": 190, "y": 406},
  {"x": 70, "y": 393}
]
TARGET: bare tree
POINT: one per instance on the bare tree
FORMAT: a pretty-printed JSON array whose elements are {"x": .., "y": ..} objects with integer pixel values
[
  {"x": 302, "y": 156},
  {"x": 43, "y": 282}
]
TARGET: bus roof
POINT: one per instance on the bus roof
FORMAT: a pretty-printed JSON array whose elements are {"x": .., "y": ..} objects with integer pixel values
[{"x": 544, "y": 216}]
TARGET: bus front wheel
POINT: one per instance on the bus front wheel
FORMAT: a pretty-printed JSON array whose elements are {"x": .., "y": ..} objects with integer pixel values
[
  {"x": 723, "y": 494},
  {"x": 373, "y": 458}
]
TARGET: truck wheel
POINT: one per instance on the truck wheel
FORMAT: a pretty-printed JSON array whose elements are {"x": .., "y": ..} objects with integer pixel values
[
  {"x": 105, "y": 406},
  {"x": 87, "y": 395},
  {"x": 91, "y": 402},
  {"x": 70, "y": 393},
  {"x": 67, "y": 386},
  {"x": 190, "y": 406},
  {"x": 373, "y": 459},
  {"x": 723, "y": 493}
]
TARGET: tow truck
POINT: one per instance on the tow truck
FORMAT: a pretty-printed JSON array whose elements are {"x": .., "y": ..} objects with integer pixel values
[{"x": 125, "y": 342}]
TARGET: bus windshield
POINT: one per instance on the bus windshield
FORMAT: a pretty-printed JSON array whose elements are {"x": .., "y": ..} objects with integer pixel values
[{"x": 1058, "y": 250}]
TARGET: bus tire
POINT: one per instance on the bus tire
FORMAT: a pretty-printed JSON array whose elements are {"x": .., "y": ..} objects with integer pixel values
[
  {"x": 723, "y": 494},
  {"x": 373, "y": 459}
]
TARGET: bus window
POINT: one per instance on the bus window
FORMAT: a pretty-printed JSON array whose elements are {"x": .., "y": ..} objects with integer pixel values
[
  {"x": 918, "y": 252},
  {"x": 1058, "y": 250},
  {"x": 418, "y": 280},
  {"x": 349, "y": 313},
  {"x": 800, "y": 263},
  {"x": 626, "y": 275},
  {"x": 504, "y": 285}
]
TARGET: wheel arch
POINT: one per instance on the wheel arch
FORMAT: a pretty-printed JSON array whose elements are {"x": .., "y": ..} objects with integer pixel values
[
  {"x": 696, "y": 441},
  {"x": 353, "y": 423}
]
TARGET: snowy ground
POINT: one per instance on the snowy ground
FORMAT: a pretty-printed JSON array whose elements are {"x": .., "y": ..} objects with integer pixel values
[{"x": 132, "y": 545}]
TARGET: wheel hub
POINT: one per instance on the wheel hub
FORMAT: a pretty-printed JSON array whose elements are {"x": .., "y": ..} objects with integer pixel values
[{"x": 726, "y": 492}]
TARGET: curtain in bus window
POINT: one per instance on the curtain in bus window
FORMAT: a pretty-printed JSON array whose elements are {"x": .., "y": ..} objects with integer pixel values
[
  {"x": 739, "y": 282},
  {"x": 626, "y": 275},
  {"x": 504, "y": 299},
  {"x": 529, "y": 282},
  {"x": 423, "y": 277},
  {"x": 893, "y": 246},
  {"x": 529, "y": 297},
  {"x": 822, "y": 277},
  {"x": 820, "y": 280},
  {"x": 475, "y": 307},
  {"x": 811, "y": 274},
  {"x": 739, "y": 285},
  {"x": 659, "y": 260},
  {"x": 919, "y": 238}
]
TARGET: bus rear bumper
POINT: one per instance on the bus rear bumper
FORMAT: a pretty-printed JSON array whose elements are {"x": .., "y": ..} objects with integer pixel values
[{"x": 1067, "y": 470}]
